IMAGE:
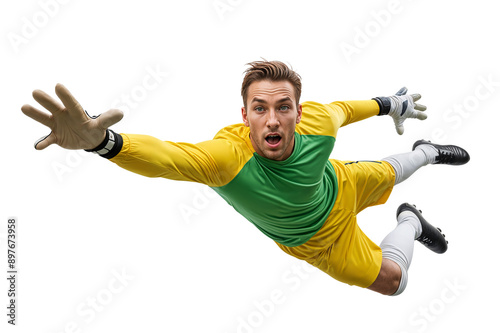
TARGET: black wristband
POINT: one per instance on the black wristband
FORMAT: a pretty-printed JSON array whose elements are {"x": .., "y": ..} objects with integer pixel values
[
  {"x": 110, "y": 146},
  {"x": 384, "y": 104}
]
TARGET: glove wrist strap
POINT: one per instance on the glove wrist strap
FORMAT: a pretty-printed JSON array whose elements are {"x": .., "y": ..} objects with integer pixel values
[
  {"x": 384, "y": 104},
  {"x": 110, "y": 146}
]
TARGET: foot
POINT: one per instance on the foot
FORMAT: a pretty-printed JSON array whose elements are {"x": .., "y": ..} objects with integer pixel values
[
  {"x": 431, "y": 237},
  {"x": 452, "y": 155}
]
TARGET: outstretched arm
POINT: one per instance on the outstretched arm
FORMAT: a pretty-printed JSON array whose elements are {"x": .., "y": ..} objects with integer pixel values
[
  {"x": 399, "y": 106},
  {"x": 210, "y": 162}
]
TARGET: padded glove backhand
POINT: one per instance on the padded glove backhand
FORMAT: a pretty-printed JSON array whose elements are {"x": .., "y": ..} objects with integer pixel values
[{"x": 403, "y": 106}]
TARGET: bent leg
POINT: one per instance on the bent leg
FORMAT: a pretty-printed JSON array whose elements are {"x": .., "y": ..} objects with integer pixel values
[
  {"x": 397, "y": 253},
  {"x": 388, "y": 279},
  {"x": 340, "y": 248}
]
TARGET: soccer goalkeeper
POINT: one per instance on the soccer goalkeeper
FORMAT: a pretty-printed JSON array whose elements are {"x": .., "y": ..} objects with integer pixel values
[{"x": 275, "y": 170}]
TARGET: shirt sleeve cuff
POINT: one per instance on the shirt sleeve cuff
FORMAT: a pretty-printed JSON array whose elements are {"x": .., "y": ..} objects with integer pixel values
[{"x": 110, "y": 146}]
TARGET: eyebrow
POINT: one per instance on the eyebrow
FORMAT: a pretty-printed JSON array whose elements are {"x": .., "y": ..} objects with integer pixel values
[{"x": 258, "y": 100}]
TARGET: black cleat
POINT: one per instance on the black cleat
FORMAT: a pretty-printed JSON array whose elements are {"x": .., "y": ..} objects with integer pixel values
[
  {"x": 447, "y": 154},
  {"x": 431, "y": 237}
]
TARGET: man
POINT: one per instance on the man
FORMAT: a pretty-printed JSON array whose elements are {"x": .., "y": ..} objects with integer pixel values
[{"x": 275, "y": 170}]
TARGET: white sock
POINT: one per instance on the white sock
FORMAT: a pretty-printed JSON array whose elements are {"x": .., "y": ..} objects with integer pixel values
[
  {"x": 406, "y": 164},
  {"x": 430, "y": 152},
  {"x": 410, "y": 217},
  {"x": 398, "y": 245}
]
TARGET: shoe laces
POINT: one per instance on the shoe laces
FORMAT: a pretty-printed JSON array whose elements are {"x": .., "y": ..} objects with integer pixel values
[
  {"x": 444, "y": 155},
  {"x": 425, "y": 240}
]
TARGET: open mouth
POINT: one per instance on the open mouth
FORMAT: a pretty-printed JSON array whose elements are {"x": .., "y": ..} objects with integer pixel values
[{"x": 273, "y": 139}]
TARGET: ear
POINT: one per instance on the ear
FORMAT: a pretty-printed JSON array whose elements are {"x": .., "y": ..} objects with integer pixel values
[
  {"x": 244, "y": 116},
  {"x": 299, "y": 113}
]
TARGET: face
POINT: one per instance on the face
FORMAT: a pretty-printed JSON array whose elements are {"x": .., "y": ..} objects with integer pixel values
[{"x": 272, "y": 114}]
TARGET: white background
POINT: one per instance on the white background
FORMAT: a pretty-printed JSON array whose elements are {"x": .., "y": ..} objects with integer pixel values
[{"x": 192, "y": 264}]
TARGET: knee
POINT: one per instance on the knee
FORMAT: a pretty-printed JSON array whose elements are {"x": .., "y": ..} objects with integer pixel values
[
  {"x": 391, "y": 282},
  {"x": 389, "y": 279}
]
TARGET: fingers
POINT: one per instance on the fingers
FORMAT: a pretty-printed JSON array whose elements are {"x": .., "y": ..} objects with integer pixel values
[
  {"x": 68, "y": 100},
  {"x": 417, "y": 106},
  {"x": 399, "y": 126},
  {"x": 45, "y": 141},
  {"x": 47, "y": 102},
  {"x": 37, "y": 115},
  {"x": 417, "y": 111},
  {"x": 420, "y": 107},
  {"x": 402, "y": 91},
  {"x": 109, "y": 118},
  {"x": 416, "y": 97},
  {"x": 421, "y": 116}
]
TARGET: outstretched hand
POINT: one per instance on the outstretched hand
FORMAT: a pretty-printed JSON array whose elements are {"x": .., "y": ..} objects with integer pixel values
[
  {"x": 71, "y": 126},
  {"x": 403, "y": 106}
]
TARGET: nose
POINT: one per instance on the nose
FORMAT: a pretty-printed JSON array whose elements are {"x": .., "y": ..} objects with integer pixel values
[{"x": 272, "y": 119}]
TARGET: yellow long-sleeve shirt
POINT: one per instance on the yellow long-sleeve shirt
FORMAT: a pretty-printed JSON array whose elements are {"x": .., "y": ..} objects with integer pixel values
[{"x": 287, "y": 200}]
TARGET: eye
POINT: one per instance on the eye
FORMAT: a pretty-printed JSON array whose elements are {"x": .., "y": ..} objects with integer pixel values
[
  {"x": 259, "y": 109},
  {"x": 284, "y": 108}
]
